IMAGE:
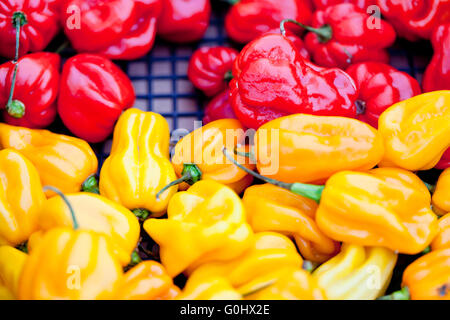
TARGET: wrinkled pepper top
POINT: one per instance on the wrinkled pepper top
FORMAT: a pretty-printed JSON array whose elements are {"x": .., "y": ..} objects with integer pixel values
[
  {"x": 139, "y": 166},
  {"x": 205, "y": 223}
]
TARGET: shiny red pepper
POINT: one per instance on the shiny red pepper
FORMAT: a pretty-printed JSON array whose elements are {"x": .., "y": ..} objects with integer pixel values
[
  {"x": 219, "y": 108},
  {"x": 323, "y": 4},
  {"x": 415, "y": 19},
  {"x": 272, "y": 79},
  {"x": 117, "y": 29},
  {"x": 210, "y": 68},
  {"x": 93, "y": 94},
  {"x": 39, "y": 24},
  {"x": 380, "y": 86},
  {"x": 33, "y": 103},
  {"x": 249, "y": 19},
  {"x": 184, "y": 21},
  {"x": 444, "y": 163},
  {"x": 437, "y": 74},
  {"x": 344, "y": 34}
]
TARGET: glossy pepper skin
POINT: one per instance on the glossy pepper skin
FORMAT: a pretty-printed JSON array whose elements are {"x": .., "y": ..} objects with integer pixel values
[
  {"x": 36, "y": 86},
  {"x": 268, "y": 252},
  {"x": 21, "y": 198},
  {"x": 219, "y": 108},
  {"x": 362, "y": 4},
  {"x": 203, "y": 147},
  {"x": 62, "y": 161},
  {"x": 208, "y": 288},
  {"x": 11, "y": 264},
  {"x": 205, "y": 223},
  {"x": 210, "y": 68},
  {"x": 183, "y": 21},
  {"x": 271, "y": 208},
  {"x": 354, "y": 205},
  {"x": 42, "y": 24},
  {"x": 380, "y": 86},
  {"x": 442, "y": 239},
  {"x": 127, "y": 30},
  {"x": 351, "y": 38},
  {"x": 93, "y": 94},
  {"x": 139, "y": 166},
  {"x": 272, "y": 79},
  {"x": 437, "y": 74},
  {"x": 445, "y": 160},
  {"x": 441, "y": 195},
  {"x": 416, "y": 131},
  {"x": 249, "y": 19},
  {"x": 428, "y": 277},
  {"x": 94, "y": 213},
  {"x": 415, "y": 19},
  {"x": 306, "y": 148},
  {"x": 357, "y": 273},
  {"x": 70, "y": 264},
  {"x": 147, "y": 281}
]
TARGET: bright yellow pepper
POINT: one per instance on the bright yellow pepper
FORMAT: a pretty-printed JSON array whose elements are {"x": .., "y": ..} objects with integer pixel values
[
  {"x": 63, "y": 162},
  {"x": 199, "y": 155},
  {"x": 95, "y": 213},
  {"x": 70, "y": 264},
  {"x": 357, "y": 273},
  {"x": 441, "y": 195},
  {"x": 442, "y": 239},
  {"x": 11, "y": 264},
  {"x": 386, "y": 207},
  {"x": 147, "y": 281},
  {"x": 208, "y": 288},
  {"x": 268, "y": 252},
  {"x": 416, "y": 131},
  {"x": 308, "y": 149},
  {"x": 205, "y": 223},
  {"x": 139, "y": 164},
  {"x": 271, "y": 208},
  {"x": 21, "y": 198}
]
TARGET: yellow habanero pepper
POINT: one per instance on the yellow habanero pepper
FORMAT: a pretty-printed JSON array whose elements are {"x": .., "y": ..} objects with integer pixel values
[
  {"x": 62, "y": 161},
  {"x": 307, "y": 148},
  {"x": 95, "y": 213},
  {"x": 208, "y": 288},
  {"x": 70, "y": 264},
  {"x": 205, "y": 223},
  {"x": 441, "y": 196},
  {"x": 147, "y": 281},
  {"x": 139, "y": 165},
  {"x": 442, "y": 239},
  {"x": 199, "y": 156},
  {"x": 21, "y": 198},
  {"x": 386, "y": 207},
  {"x": 271, "y": 208},
  {"x": 357, "y": 273},
  {"x": 416, "y": 131},
  {"x": 268, "y": 252},
  {"x": 11, "y": 264}
]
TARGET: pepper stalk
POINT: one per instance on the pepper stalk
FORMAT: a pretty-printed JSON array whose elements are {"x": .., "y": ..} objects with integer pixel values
[
  {"x": 325, "y": 33},
  {"x": 191, "y": 174},
  {"x": 72, "y": 212}
]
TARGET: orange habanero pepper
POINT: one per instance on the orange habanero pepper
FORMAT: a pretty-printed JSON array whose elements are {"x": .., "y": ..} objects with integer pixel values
[{"x": 441, "y": 195}]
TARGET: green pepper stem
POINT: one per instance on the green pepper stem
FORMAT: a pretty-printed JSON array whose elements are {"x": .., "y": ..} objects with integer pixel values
[
  {"x": 228, "y": 76},
  {"x": 72, "y": 212},
  {"x": 16, "y": 108},
  {"x": 402, "y": 294},
  {"x": 430, "y": 187},
  {"x": 191, "y": 174},
  {"x": 183, "y": 178},
  {"x": 90, "y": 185},
  {"x": 310, "y": 191},
  {"x": 248, "y": 154},
  {"x": 259, "y": 288},
  {"x": 141, "y": 214},
  {"x": 325, "y": 33}
]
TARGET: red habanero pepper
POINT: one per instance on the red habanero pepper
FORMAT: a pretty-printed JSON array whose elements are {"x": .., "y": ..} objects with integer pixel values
[
  {"x": 93, "y": 94},
  {"x": 323, "y": 4},
  {"x": 437, "y": 74},
  {"x": 415, "y": 19},
  {"x": 117, "y": 29},
  {"x": 272, "y": 79},
  {"x": 184, "y": 21},
  {"x": 39, "y": 20},
  {"x": 32, "y": 102},
  {"x": 249, "y": 19},
  {"x": 444, "y": 163},
  {"x": 380, "y": 86},
  {"x": 219, "y": 108},
  {"x": 344, "y": 34},
  {"x": 210, "y": 68}
]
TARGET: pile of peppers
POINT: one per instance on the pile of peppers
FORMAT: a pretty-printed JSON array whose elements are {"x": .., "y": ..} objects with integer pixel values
[{"x": 307, "y": 181}]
